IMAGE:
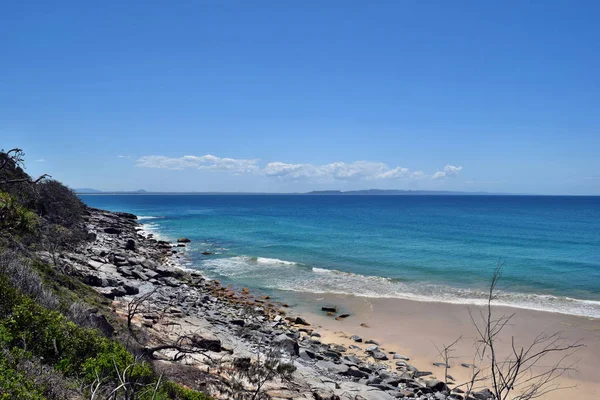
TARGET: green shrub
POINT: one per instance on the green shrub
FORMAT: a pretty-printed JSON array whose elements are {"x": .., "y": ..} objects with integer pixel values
[
  {"x": 173, "y": 390},
  {"x": 13, "y": 383}
]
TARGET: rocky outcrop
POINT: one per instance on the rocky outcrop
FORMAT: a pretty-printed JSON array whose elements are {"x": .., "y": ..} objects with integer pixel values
[{"x": 122, "y": 262}]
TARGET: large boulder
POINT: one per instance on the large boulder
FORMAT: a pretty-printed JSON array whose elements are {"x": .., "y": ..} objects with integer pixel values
[
  {"x": 208, "y": 343},
  {"x": 287, "y": 344}
]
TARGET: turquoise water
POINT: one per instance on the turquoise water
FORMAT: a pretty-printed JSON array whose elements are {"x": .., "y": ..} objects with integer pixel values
[{"x": 430, "y": 248}]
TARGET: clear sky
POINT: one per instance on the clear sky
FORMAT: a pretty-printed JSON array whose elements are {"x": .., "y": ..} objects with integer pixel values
[{"x": 499, "y": 96}]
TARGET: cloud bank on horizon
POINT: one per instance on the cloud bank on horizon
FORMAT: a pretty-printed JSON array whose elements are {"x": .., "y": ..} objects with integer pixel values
[{"x": 357, "y": 170}]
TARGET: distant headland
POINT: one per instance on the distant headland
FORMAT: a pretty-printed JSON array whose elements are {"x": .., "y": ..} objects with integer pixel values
[{"x": 367, "y": 192}]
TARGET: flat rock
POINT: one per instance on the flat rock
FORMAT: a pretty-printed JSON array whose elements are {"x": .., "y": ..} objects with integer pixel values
[
  {"x": 332, "y": 367},
  {"x": 379, "y": 355}
]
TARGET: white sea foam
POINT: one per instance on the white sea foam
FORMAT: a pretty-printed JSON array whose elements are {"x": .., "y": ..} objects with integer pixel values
[
  {"x": 291, "y": 276},
  {"x": 144, "y": 217},
  {"x": 264, "y": 260}
]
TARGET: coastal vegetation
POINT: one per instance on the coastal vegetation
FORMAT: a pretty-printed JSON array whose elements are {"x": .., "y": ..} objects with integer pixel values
[{"x": 50, "y": 346}]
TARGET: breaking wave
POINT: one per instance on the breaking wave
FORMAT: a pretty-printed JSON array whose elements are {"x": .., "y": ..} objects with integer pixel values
[{"x": 272, "y": 273}]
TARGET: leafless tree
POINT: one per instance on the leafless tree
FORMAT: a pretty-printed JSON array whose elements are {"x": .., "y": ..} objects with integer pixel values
[
  {"x": 16, "y": 157},
  {"x": 526, "y": 372},
  {"x": 445, "y": 354}
]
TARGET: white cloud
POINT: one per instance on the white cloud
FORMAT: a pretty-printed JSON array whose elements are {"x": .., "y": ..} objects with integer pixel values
[
  {"x": 40, "y": 160},
  {"x": 341, "y": 171},
  {"x": 449, "y": 171},
  {"x": 204, "y": 162},
  {"x": 123, "y": 156}
]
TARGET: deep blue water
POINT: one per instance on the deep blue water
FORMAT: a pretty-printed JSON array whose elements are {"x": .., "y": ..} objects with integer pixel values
[{"x": 441, "y": 248}]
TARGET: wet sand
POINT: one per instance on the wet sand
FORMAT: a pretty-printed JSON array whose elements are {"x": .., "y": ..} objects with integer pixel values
[{"x": 414, "y": 329}]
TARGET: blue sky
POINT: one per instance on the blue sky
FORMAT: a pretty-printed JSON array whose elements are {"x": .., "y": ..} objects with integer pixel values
[{"x": 295, "y": 96}]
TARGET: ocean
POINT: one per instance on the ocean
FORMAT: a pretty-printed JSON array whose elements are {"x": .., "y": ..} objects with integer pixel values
[{"x": 426, "y": 248}]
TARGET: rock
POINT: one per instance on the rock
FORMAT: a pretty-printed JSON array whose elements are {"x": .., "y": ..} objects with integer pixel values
[
  {"x": 406, "y": 393},
  {"x": 355, "y": 372},
  {"x": 321, "y": 393},
  {"x": 125, "y": 215},
  {"x": 338, "y": 348},
  {"x": 301, "y": 321},
  {"x": 315, "y": 334},
  {"x": 400, "y": 357},
  {"x": 342, "y": 316},
  {"x": 371, "y": 349},
  {"x": 436, "y": 386},
  {"x": 287, "y": 344},
  {"x": 131, "y": 289},
  {"x": 170, "y": 281},
  {"x": 485, "y": 394},
  {"x": 356, "y": 338},
  {"x": 375, "y": 380},
  {"x": 130, "y": 245},
  {"x": 237, "y": 322},
  {"x": 419, "y": 374},
  {"x": 139, "y": 275},
  {"x": 332, "y": 309},
  {"x": 95, "y": 280},
  {"x": 441, "y": 364},
  {"x": 352, "y": 359},
  {"x": 332, "y": 367},
  {"x": 306, "y": 354},
  {"x": 379, "y": 355},
  {"x": 208, "y": 343},
  {"x": 100, "y": 322},
  {"x": 371, "y": 341},
  {"x": 207, "y": 253},
  {"x": 183, "y": 240},
  {"x": 113, "y": 230}
]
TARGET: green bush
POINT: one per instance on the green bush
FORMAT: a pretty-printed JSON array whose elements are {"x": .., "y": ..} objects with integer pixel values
[
  {"x": 13, "y": 383},
  {"x": 173, "y": 390}
]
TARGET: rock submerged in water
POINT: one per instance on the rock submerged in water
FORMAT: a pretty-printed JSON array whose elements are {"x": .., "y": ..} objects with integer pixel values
[{"x": 183, "y": 240}]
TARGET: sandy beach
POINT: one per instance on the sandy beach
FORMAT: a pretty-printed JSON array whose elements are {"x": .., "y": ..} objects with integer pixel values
[{"x": 414, "y": 329}]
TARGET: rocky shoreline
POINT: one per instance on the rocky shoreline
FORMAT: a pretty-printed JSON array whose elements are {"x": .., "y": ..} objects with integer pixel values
[{"x": 129, "y": 266}]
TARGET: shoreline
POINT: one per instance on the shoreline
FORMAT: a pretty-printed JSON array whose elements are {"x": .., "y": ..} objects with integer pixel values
[
  {"x": 414, "y": 328},
  {"x": 327, "y": 366}
]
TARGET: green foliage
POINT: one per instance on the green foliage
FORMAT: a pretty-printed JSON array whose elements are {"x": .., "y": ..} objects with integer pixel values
[
  {"x": 15, "y": 218},
  {"x": 48, "y": 334},
  {"x": 14, "y": 384},
  {"x": 113, "y": 357},
  {"x": 8, "y": 296},
  {"x": 173, "y": 390},
  {"x": 58, "y": 204}
]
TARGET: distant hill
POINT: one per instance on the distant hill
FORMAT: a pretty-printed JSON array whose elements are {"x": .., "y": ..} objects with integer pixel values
[
  {"x": 86, "y": 190},
  {"x": 92, "y": 191},
  {"x": 391, "y": 192}
]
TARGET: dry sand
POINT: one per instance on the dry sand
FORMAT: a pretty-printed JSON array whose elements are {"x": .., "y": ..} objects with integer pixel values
[{"x": 414, "y": 328}]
